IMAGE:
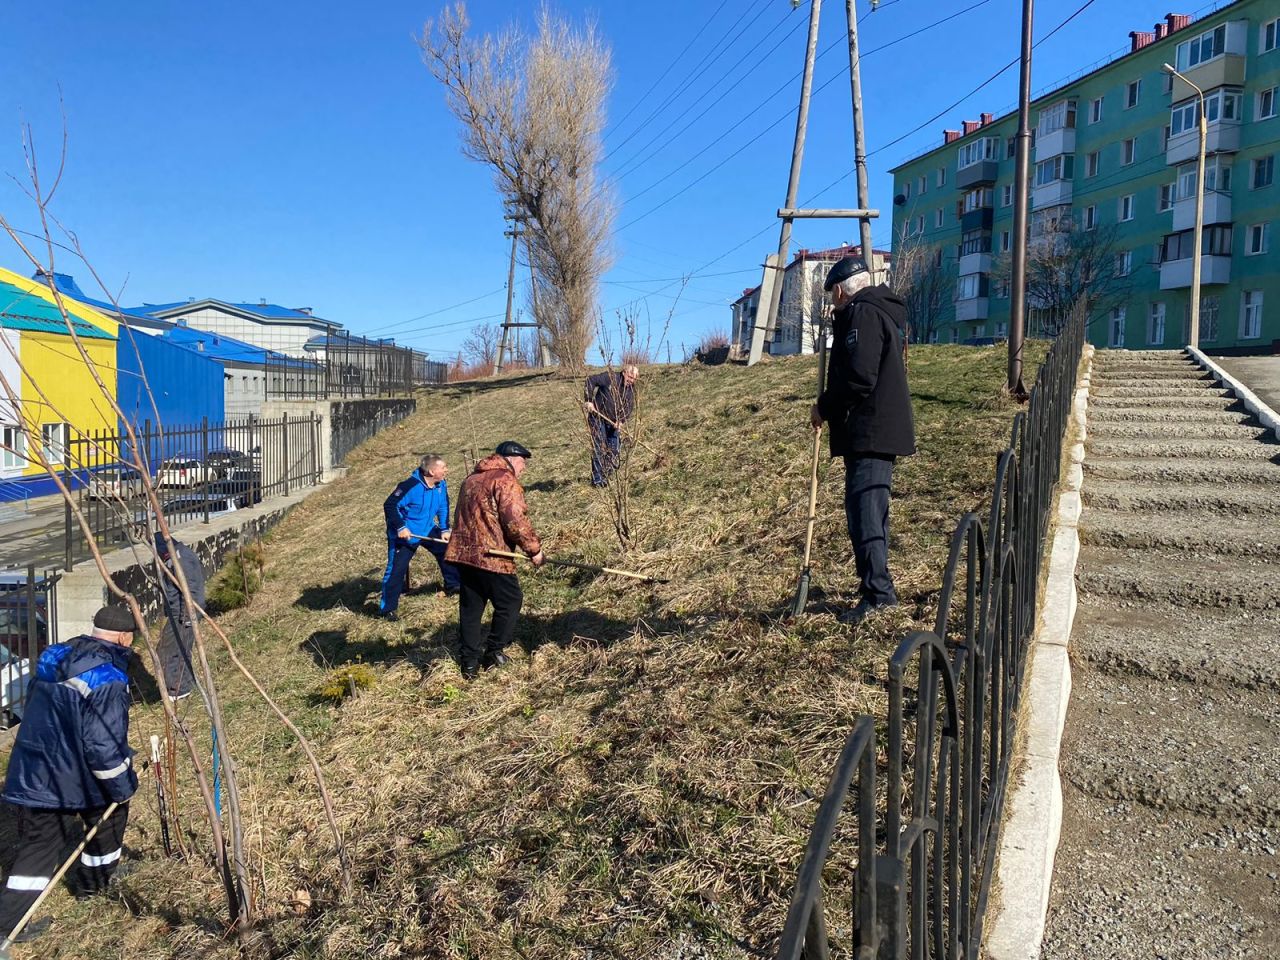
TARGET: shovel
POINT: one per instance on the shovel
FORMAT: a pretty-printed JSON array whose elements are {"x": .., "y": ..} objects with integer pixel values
[
  {"x": 582, "y": 566},
  {"x": 801, "y": 599}
]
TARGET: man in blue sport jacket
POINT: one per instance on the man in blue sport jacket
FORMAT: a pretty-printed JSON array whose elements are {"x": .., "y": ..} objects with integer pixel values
[
  {"x": 417, "y": 508},
  {"x": 71, "y": 760}
]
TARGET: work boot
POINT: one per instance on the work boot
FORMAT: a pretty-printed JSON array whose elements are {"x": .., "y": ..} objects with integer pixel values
[
  {"x": 470, "y": 671},
  {"x": 492, "y": 660},
  {"x": 391, "y": 617},
  {"x": 855, "y": 615}
]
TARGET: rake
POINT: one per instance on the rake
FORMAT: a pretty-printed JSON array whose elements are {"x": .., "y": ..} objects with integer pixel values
[
  {"x": 577, "y": 565},
  {"x": 801, "y": 599}
]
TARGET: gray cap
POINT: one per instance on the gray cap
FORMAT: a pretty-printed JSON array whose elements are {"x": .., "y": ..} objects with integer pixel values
[{"x": 843, "y": 270}]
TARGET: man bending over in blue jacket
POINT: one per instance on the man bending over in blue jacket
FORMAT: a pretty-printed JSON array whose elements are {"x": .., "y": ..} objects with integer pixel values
[
  {"x": 70, "y": 762},
  {"x": 417, "y": 508}
]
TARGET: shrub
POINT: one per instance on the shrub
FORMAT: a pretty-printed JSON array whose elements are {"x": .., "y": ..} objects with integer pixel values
[
  {"x": 345, "y": 681},
  {"x": 236, "y": 583}
]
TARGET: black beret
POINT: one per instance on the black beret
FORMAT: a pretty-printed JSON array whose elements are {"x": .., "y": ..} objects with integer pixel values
[
  {"x": 115, "y": 617},
  {"x": 510, "y": 448},
  {"x": 843, "y": 270}
]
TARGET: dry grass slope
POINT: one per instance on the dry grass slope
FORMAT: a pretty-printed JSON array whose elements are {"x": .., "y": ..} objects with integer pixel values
[{"x": 641, "y": 781}]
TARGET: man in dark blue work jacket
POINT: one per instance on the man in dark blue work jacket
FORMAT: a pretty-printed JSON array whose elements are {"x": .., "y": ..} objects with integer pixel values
[
  {"x": 70, "y": 762},
  {"x": 418, "y": 508}
]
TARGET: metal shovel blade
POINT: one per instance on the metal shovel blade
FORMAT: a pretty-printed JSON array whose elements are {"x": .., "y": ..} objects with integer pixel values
[{"x": 802, "y": 595}]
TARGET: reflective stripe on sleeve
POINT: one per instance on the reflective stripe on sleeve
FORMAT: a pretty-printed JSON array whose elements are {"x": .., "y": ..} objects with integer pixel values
[
  {"x": 112, "y": 773},
  {"x": 89, "y": 860},
  {"x": 75, "y": 683},
  {"x": 16, "y": 882}
]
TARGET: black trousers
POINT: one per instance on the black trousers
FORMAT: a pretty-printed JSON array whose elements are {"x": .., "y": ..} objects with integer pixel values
[
  {"x": 174, "y": 650},
  {"x": 480, "y": 587},
  {"x": 45, "y": 838},
  {"x": 867, "y": 480}
]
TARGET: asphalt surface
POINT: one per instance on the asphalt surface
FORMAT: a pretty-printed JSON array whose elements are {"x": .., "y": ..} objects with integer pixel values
[
  {"x": 1171, "y": 753},
  {"x": 1259, "y": 374}
]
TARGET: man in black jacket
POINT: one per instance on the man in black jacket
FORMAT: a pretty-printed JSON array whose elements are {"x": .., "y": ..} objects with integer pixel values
[
  {"x": 70, "y": 762},
  {"x": 609, "y": 400},
  {"x": 868, "y": 406}
]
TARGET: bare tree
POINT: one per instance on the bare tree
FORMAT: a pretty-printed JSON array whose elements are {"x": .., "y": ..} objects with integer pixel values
[
  {"x": 1070, "y": 266},
  {"x": 925, "y": 278},
  {"x": 481, "y": 345},
  {"x": 532, "y": 109}
]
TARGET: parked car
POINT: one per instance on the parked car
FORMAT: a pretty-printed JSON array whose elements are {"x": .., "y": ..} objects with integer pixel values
[
  {"x": 185, "y": 472},
  {"x": 244, "y": 485},
  {"x": 17, "y": 648},
  {"x": 224, "y": 461},
  {"x": 114, "y": 483}
]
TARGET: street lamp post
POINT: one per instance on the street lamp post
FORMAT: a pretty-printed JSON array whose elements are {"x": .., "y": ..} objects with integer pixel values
[{"x": 1193, "y": 334}]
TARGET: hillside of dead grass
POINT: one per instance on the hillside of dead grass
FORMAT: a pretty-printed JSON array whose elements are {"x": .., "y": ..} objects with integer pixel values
[{"x": 641, "y": 781}]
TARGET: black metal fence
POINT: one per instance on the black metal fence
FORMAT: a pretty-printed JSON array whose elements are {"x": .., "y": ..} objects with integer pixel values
[
  {"x": 198, "y": 471},
  {"x": 352, "y": 424},
  {"x": 925, "y": 858},
  {"x": 348, "y": 367},
  {"x": 28, "y": 624}
]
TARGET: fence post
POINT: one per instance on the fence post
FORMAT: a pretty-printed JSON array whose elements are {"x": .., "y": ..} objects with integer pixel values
[
  {"x": 33, "y": 640},
  {"x": 284, "y": 435},
  {"x": 68, "y": 560},
  {"x": 316, "y": 466},
  {"x": 204, "y": 464}
]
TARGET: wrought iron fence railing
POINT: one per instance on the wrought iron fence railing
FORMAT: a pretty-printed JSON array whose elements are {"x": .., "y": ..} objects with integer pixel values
[
  {"x": 28, "y": 624},
  {"x": 925, "y": 857},
  {"x": 198, "y": 471},
  {"x": 347, "y": 367}
]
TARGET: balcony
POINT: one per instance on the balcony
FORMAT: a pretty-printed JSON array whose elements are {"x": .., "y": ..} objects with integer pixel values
[
  {"x": 1055, "y": 193},
  {"x": 1217, "y": 209},
  {"x": 1176, "y": 274},
  {"x": 979, "y": 219},
  {"x": 1062, "y": 140},
  {"x": 976, "y": 173},
  {"x": 1227, "y": 69},
  {"x": 974, "y": 263},
  {"x": 975, "y": 308},
  {"x": 1223, "y": 137}
]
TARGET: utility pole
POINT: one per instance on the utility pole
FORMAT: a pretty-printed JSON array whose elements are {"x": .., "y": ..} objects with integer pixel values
[
  {"x": 859, "y": 139},
  {"x": 1022, "y": 199},
  {"x": 775, "y": 267}
]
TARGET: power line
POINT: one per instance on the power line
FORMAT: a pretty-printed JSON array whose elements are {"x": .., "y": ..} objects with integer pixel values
[{"x": 432, "y": 313}]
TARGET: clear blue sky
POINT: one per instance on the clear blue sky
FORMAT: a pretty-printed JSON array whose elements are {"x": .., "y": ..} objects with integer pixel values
[{"x": 300, "y": 152}]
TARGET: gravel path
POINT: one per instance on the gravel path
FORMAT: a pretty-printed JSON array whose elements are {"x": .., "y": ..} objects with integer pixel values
[{"x": 1171, "y": 754}]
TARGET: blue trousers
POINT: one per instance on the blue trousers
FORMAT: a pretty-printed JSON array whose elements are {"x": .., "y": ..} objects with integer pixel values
[
  {"x": 867, "y": 479},
  {"x": 605, "y": 447},
  {"x": 396, "y": 577}
]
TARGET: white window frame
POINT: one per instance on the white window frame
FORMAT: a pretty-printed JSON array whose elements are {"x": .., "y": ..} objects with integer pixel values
[
  {"x": 941, "y": 177},
  {"x": 1195, "y": 47},
  {"x": 937, "y": 217},
  {"x": 1126, "y": 201},
  {"x": 1217, "y": 177},
  {"x": 969, "y": 286},
  {"x": 1001, "y": 329},
  {"x": 1132, "y": 93},
  {"x": 1185, "y": 115},
  {"x": 1265, "y": 100},
  {"x": 1255, "y": 165},
  {"x": 1168, "y": 194},
  {"x": 1006, "y": 195},
  {"x": 1092, "y": 163},
  {"x": 1115, "y": 329},
  {"x": 1124, "y": 263},
  {"x": 922, "y": 184},
  {"x": 906, "y": 189},
  {"x": 1210, "y": 313},
  {"x": 1095, "y": 110},
  {"x": 1257, "y": 239},
  {"x": 1006, "y": 241},
  {"x": 1129, "y": 152},
  {"x": 1155, "y": 325},
  {"x": 55, "y": 438},
  {"x": 1062, "y": 167},
  {"x": 1090, "y": 217},
  {"x": 12, "y": 461},
  {"x": 1268, "y": 32},
  {"x": 976, "y": 151},
  {"x": 1058, "y": 116},
  {"x": 1252, "y": 303},
  {"x": 920, "y": 224}
]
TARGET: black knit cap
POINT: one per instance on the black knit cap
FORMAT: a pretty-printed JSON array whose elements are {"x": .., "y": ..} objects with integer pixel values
[
  {"x": 115, "y": 617},
  {"x": 843, "y": 270},
  {"x": 511, "y": 448}
]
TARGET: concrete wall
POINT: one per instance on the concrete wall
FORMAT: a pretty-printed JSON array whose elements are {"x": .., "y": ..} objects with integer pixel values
[{"x": 344, "y": 423}]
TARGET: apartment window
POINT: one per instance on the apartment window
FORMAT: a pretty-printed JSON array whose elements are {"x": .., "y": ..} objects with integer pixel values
[
  {"x": 54, "y": 438},
  {"x": 1061, "y": 116},
  {"x": 1269, "y": 34},
  {"x": 1215, "y": 242},
  {"x": 1090, "y": 218},
  {"x": 937, "y": 257},
  {"x": 1011, "y": 148},
  {"x": 1222, "y": 104},
  {"x": 14, "y": 442},
  {"x": 1168, "y": 193},
  {"x": 1115, "y": 336},
  {"x": 1095, "y": 110},
  {"x": 1124, "y": 263},
  {"x": 1091, "y": 164},
  {"x": 1263, "y": 171},
  {"x": 977, "y": 199},
  {"x": 955, "y": 334},
  {"x": 1006, "y": 195},
  {"x": 1251, "y": 315},
  {"x": 1266, "y": 104},
  {"x": 1129, "y": 151},
  {"x": 976, "y": 151},
  {"x": 975, "y": 241},
  {"x": 1131, "y": 93},
  {"x": 1126, "y": 208},
  {"x": 920, "y": 224},
  {"x": 922, "y": 184},
  {"x": 1209, "y": 317},
  {"x": 937, "y": 217},
  {"x": 1061, "y": 167},
  {"x": 1258, "y": 239},
  {"x": 1006, "y": 241},
  {"x": 942, "y": 177},
  {"x": 1164, "y": 137},
  {"x": 1217, "y": 177},
  {"x": 906, "y": 189},
  {"x": 967, "y": 286},
  {"x": 1002, "y": 291},
  {"x": 1155, "y": 325},
  {"x": 1203, "y": 48}
]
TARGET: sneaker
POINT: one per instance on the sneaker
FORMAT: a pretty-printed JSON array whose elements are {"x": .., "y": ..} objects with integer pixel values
[
  {"x": 470, "y": 672},
  {"x": 391, "y": 617},
  {"x": 855, "y": 615},
  {"x": 494, "y": 660}
]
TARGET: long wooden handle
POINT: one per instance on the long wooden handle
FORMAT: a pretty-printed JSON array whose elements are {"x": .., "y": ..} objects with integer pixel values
[
  {"x": 580, "y": 566},
  {"x": 53, "y": 881},
  {"x": 817, "y": 450}
]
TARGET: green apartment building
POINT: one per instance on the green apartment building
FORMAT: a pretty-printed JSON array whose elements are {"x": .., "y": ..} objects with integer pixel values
[{"x": 1115, "y": 156}]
